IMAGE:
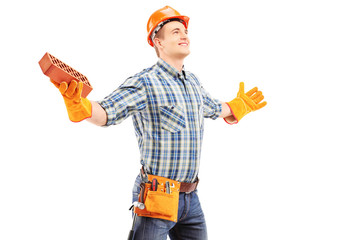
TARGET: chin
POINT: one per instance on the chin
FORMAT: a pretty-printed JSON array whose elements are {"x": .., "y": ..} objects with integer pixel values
[{"x": 185, "y": 53}]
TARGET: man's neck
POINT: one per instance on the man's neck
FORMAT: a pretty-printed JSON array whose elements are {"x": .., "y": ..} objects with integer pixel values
[{"x": 176, "y": 63}]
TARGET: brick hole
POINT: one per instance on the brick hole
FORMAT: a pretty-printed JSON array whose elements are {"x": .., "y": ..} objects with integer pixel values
[
  {"x": 73, "y": 72},
  {"x": 86, "y": 81},
  {"x": 69, "y": 70},
  {"x": 52, "y": 58},
  {"x": 56, "y": 62},
  {"x": 63, "y": 66}
]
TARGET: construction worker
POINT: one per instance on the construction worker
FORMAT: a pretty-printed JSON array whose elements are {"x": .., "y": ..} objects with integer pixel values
[{"x": 168, "y": 106}]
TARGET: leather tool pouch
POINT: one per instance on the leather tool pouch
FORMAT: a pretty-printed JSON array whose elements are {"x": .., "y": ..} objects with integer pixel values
[{"x": 159, "y": 204}]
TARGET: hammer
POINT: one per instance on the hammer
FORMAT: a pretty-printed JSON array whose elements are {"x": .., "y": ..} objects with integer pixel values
[{"x": 141, "y": 206}]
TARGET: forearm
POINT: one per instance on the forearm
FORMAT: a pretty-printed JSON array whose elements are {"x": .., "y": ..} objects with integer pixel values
[{"x": 99, "y": 116}]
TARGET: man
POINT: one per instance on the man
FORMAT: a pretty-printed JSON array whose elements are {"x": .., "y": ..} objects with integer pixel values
[{"x": 168, "y": 106}]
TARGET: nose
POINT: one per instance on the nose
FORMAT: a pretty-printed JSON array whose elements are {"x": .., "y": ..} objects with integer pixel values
[{"x": 184, "y": 36}]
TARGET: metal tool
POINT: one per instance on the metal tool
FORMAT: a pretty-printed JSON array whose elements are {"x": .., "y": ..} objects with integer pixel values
[
  {"x": 141, "y": 206},
  {"x": 167, "y": 187},
  {"x": 143, "y": 175}
]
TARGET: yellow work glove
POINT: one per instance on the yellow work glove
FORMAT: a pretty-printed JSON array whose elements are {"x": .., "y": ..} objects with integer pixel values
[
  {"x": 244, "y": 103},
  {"x": 78, "y": 108}
]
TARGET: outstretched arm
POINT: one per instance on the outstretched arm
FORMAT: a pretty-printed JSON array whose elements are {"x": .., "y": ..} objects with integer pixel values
[{"x": 128, "y": 99}]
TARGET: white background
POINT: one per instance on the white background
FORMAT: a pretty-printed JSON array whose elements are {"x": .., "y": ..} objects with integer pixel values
[{"x": 288, "y": 171}]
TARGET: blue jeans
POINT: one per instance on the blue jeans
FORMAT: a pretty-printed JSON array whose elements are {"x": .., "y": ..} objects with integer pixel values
[{"x": 190, "y": 226}]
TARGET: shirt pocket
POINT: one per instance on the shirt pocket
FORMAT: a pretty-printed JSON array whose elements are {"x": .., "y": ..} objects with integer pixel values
[{"x": 172, "y": 118}]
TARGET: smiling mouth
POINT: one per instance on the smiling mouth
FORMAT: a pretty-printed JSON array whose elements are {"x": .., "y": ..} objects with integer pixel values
[{"x": 183, "y": 44}]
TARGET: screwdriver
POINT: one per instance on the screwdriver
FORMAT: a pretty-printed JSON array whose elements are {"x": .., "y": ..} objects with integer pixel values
[
  {"x": 154, "y": 184},
  {"x": 167, "y": 185}
]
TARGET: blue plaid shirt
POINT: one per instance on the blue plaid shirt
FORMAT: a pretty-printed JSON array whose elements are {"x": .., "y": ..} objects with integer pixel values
[{"x": 168, "y": 108}]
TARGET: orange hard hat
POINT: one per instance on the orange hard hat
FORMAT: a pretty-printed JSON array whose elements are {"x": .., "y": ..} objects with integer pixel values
[{"x": 160, "y": 16}]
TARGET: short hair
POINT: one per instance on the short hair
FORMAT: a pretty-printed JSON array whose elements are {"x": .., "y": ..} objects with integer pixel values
[{"x": 160, "y": 35}]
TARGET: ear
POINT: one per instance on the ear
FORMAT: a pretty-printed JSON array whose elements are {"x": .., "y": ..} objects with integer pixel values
[{"x": 157, "y": 42}]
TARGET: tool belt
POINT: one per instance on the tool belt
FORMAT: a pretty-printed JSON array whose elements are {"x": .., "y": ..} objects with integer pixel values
[{"x": 161, "y": 196}]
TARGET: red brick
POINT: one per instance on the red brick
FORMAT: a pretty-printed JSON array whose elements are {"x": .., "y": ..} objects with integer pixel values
[{"x": 60, "y": 72}]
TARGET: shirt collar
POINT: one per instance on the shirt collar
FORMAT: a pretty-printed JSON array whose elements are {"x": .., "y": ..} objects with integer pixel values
[{"x": 171, "y": 70}]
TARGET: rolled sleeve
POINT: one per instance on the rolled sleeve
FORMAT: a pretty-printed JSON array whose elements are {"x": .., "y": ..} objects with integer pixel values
[
  {"x": 212, "y": 106},
  {"x": 127, "y": 100}
]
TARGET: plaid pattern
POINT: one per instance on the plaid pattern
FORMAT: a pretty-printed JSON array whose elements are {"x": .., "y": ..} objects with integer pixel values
[{"x": 168, "y": 110}]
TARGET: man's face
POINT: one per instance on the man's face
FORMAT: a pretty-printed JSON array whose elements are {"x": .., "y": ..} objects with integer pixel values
[{"x": 174, "y": 42}]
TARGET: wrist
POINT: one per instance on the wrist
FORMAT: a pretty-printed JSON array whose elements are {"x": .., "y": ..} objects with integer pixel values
[
  {"x": 238, "y": 109},
  {"x": 80, "y": 111},
  {"x": 230, "y": 118}
]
